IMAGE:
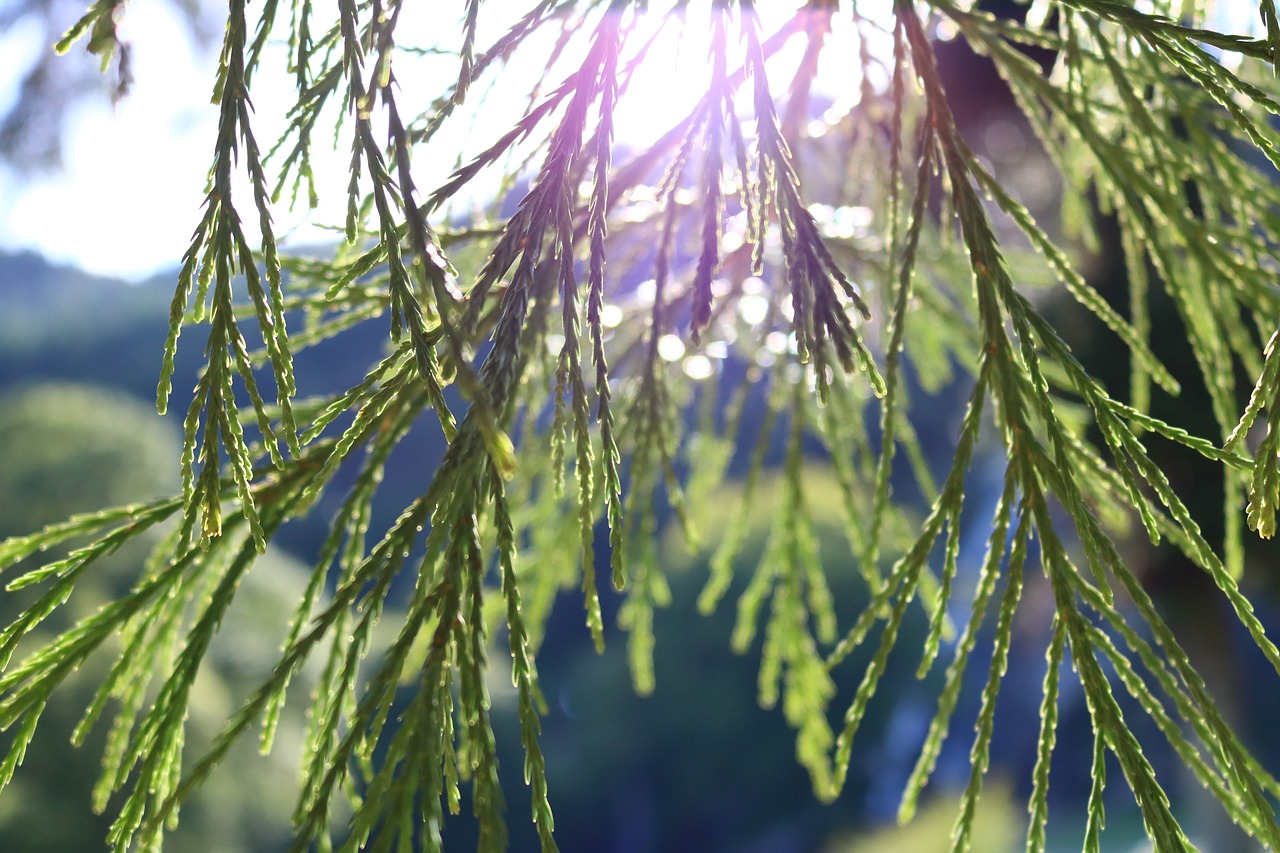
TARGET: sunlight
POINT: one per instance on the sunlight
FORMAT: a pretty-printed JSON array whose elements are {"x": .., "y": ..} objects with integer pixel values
[
  {"x": 665, "y": 73},
  {"x": 130, "y": 193},
  {"x": 666, "y": 69}
]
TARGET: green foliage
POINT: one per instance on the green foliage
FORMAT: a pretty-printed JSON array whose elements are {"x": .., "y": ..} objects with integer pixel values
[
  {"x": 995, "y": 827},
  {"x": 60, "y": 459},
  {"x": 1159, "y": 120},
  {"x": 68, "y": 448}
]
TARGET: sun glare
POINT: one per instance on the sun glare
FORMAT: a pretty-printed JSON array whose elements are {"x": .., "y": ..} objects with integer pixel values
[
  {"x": 666, "y": 70},
  {"x": 131, "y": 191}
]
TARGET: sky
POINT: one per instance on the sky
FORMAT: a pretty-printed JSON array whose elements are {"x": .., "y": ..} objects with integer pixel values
[
  {"x": 129, "y": 196},
  {"x": 122, "y": 206}
]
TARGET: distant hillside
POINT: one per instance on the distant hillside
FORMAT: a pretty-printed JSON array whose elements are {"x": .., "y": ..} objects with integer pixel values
[{"x": 57, "y": 322}]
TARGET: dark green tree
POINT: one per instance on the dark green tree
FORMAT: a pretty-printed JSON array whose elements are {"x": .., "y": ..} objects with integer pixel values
[{"x": 795, "y": 267}]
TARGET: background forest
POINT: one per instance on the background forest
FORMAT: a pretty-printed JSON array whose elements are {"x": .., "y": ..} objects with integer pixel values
[
  {"x": 634, "y": 774},
  {"x": 77, "y": 431}
]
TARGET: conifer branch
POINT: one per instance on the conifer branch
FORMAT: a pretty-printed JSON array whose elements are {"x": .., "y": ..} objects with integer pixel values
[{"x": 1147, "y": 114}]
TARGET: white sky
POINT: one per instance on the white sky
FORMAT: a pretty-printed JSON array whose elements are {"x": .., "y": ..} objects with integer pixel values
[
  {"x": 128, "y": 198},
  {"x": 134, "y": 179}
]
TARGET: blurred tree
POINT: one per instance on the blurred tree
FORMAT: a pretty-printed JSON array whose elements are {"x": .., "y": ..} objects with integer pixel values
[
  {"x": 75, "y": 448},
  {"x": 68, "y": 448},
  {"x": 996, "y": 826},
  {"x": 579, "y": 405},
  {"x": 649, "y": 772}
]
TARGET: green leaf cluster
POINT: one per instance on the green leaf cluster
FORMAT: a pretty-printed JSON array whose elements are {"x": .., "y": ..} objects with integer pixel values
[{"x": 494, "y": 325}]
